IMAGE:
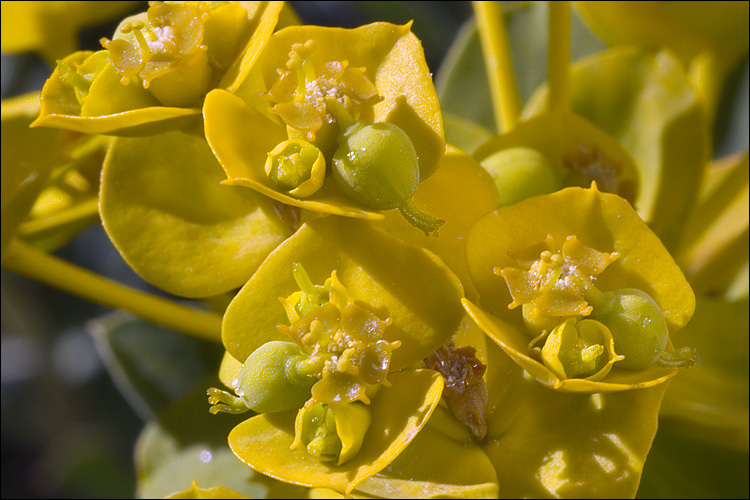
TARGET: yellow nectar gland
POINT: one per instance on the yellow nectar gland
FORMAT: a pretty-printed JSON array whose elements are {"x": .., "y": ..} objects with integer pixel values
[
  {"x": 307, "y": 87},
  {"x": 557, "y": 284},
  {"x": 342, "y": 339},
  {"x": 170, "y": 42}
]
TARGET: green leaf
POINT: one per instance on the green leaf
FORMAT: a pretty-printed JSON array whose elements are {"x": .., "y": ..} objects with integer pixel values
[
  {"x": 152, "y": 365},
  {"x": 731, "y": 129},
  {"x": 462, "y": 83},
  {"x": 714, "y": 245},
  {"x": 464, "y": 134},
  {"x": 681, "y": 466},
  {"x": 186, "y": 443},
  {"x": 462, "y": 78},
  {"x": 710, "y": 400}
]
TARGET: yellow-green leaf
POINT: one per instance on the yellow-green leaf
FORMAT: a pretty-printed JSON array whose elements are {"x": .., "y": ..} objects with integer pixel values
[
  {"x": 165, "y": 210},
  {"x": 26, "y": 165}
]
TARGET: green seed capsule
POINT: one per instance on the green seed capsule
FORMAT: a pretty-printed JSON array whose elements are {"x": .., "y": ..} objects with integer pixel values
[
  {"x": 376, "y": 165},
  {"x": 637, "y": 325},
  {"x": 520, "y": 173},
  {"x": 269, "y": 381}
]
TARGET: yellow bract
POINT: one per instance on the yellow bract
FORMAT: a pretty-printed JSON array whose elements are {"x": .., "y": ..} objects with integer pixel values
[
  {"x": 578, "y": 150},
  {"x": 399, "y": 412},
  {"x": 311, "y": 77},
  {"x": 158, "y": 68},
  {"x": 26, "y": 166},
  {"x": 600, "y": 221},
  {"x": 644, "y": 102},
  {"x": 165, "y": 210},
  {"x": 384, "y": 278}
]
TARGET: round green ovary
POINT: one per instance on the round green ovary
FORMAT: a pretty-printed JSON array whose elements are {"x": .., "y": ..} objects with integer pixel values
[
  {"x": 637, "y": 325},
  {"x": 269, "y": 382},
  {"x": 521, "y": 173},
  {"x": 376, "y": 165}
]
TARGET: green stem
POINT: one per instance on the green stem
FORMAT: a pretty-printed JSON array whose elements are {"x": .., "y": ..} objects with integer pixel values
[
  {"x": 558, "y": 55},
  {"x": 48, "y": 269},
  {"x": 79, "y": 212},
  {"x": 707, "y": 75},
  {"x": 414, "y": 216},
  {"x": 344, "y": 119},
  {"x": 678, "y": 358},
  {"x": 498, "y": 63}
]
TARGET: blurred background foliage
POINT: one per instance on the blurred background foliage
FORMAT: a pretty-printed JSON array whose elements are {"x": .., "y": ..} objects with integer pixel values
[{"x": 79, "y": 382}]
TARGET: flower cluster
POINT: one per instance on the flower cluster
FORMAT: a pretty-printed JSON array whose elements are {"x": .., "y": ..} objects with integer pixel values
[{"x": 409, "y": 304}]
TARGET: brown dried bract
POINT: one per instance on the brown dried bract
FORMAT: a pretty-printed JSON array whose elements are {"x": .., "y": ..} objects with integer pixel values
[
  {"x": 588, "y": 164},
  {"x": 465, "y": 390},
  {"x": 289, "y": 214}
]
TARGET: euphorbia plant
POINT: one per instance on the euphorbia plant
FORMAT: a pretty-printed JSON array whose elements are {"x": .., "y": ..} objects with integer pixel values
[{"x": 408, "y": 304}]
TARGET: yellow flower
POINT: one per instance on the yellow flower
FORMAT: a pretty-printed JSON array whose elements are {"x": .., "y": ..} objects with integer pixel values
[
  {"x": 604, "y": 242},
  {"x": 358, "y": 339},
  {"x": 155, "y": 72},
  {"x": 363, "y": 97}
]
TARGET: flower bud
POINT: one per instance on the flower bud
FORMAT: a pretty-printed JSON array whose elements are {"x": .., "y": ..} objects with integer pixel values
[
  {"x": 583, "y": 349},
  {"x": 296, "y": 167},
  {"x": 521, "y": 173}
]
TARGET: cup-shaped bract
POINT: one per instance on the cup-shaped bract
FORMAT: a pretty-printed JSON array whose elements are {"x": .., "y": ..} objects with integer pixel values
[
  {"x": 165, "y": 210},
  {"x": 370, "y": 276},
  {"x": 316, "y": 82},
  {"x": 615, "y": 249},
  {"x": 561, "y": 149},
  {"x": 644, "y": 103}
]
